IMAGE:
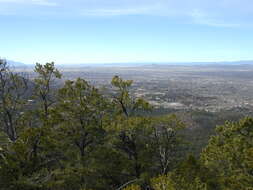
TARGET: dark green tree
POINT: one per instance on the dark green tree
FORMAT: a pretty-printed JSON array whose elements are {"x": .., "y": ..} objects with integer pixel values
[
  {"x": 229, "y": 154},
  {"x": 80, "y": 119},
  {"x": 45, "y": 86},
  {"x": 167, "y": 141},
  {"x": 81, "y": 112},
  {"x": 12, "y": 100}
]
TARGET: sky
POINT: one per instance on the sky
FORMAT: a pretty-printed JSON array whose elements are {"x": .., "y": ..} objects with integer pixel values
[{"x": 113, "y": 31}]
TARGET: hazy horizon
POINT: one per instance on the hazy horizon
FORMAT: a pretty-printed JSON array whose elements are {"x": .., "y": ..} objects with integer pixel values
[{"x": 238, "y": 62}]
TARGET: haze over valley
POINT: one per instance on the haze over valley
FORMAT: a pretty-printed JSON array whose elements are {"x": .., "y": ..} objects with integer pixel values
[{"x": 210, "y": 87}]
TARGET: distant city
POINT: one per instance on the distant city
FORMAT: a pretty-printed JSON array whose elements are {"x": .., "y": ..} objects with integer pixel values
[{"x": 208, "y": 86}]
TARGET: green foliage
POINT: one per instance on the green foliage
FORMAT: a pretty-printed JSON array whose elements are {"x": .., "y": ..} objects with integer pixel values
[
  {"x": 167, "y": 142},
  {"x": 43, "y": 86},
  {"x": 191, "y": 174},
  {"x": 80, "y": 115},
  {"x": 229, "y": 154},
  {"x": 167, "y": 182},
  {"x": 78, "y": 138},
  {"x": 26, "y": 160},
  {"x": 123, "y": 100},
  {"x": 132, "y": 187},
  {"x": 4, "y": 139},
  {"x": 12, "y": 100},
  {"x": 143, "y": 140},
  {"x": 163, "y": 182}
]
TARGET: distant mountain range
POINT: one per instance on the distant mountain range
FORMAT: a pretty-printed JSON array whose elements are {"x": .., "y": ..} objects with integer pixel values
[
  {"x": 15, "y": 64},
  {"x": 138, "y": 64}
]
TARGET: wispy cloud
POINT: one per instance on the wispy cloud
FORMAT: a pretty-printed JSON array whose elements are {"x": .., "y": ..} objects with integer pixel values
[
  {"x": 44, "y": 3},
  {"x": 200, "y": 17},
  {"x": 30, "y": 2},
  {"x": 116, "y": 12},
  {"x": 218, "y": 13}
]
